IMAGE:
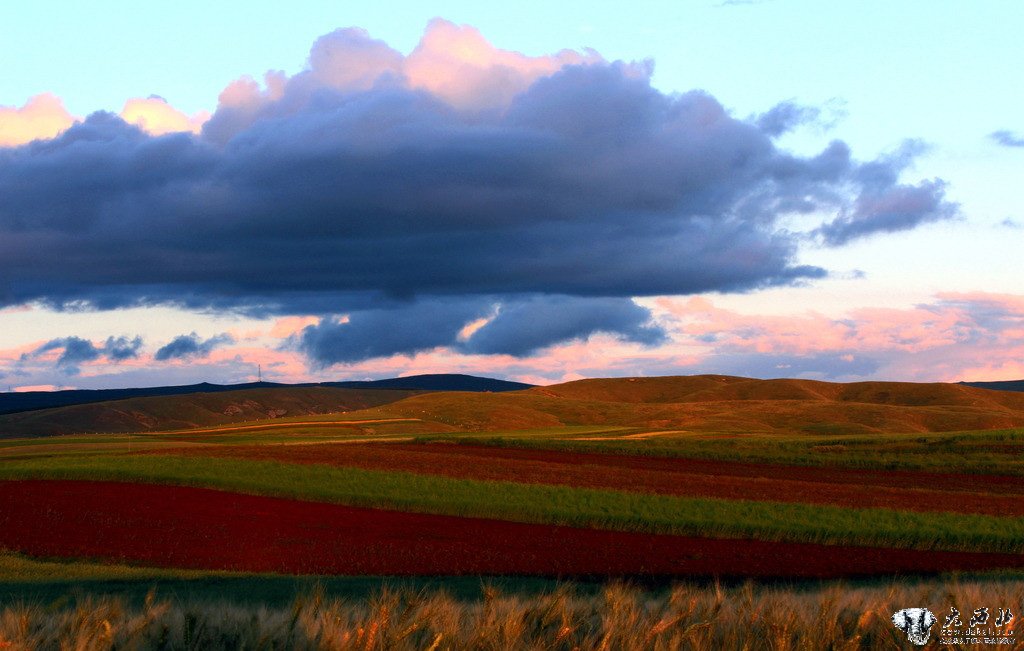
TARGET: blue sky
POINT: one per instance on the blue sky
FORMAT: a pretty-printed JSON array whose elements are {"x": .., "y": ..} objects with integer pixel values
[{"x": 877, "y": 74}]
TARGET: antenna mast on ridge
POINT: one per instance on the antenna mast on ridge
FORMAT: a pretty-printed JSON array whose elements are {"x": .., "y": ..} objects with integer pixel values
[{"x": 259, "y": 372}]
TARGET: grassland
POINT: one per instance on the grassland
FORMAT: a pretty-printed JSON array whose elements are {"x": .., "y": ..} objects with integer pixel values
[
  {"x": 990, "y": 452},
  {"x": 699, "y": 467}
]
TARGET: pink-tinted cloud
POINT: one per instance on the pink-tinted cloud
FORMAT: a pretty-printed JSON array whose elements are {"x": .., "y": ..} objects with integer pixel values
[
  {"x": 42, "y": 116},
  {"x": 472, "y": 328},
  {"x": 863, "y": 329},
  {"x": 457, "y": 64},
  {"x": 11, "y": 355},
  {"x": 453, "y": 63},
  {"x": 38, "y": 387},
  {"x": 291, "y": 325},
  {"x": 347, "y": 59},
  {"x": 156, "y": 116},
  {"x": 975, "y": 336},
  {"x": 1011, "y": 304}
]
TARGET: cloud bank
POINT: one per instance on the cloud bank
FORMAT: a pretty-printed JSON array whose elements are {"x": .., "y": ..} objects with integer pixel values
[
  {"x": 953, "y": 336},
  {"x": 434, "y": 185},
  {"x": 957, "y": 336},
  {"x": 75, "y": 351},
  {"x": 190, "y": 346}
]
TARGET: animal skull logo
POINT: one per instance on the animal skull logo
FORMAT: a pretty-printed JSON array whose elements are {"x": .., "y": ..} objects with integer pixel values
[{"x": 916, "y": 623}]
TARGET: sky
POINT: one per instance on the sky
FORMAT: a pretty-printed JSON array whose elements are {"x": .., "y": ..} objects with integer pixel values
[{"x": 539, "y": 192}]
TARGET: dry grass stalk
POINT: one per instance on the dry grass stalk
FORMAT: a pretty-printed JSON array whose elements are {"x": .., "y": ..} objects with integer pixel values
[{"x": 620, "y": 618}]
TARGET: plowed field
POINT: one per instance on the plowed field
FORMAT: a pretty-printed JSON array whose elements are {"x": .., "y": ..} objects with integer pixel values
[{"x": 202, "y": 528}]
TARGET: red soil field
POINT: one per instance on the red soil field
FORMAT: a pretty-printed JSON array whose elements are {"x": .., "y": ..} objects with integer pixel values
[
  {"x": 690, "y": 477},
  {"x": 202, "y": 528}
]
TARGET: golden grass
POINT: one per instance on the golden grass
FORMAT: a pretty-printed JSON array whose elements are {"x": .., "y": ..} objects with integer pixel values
[
  {"x": 711, "y": 404},
  {"x": 618, "y": 617}
]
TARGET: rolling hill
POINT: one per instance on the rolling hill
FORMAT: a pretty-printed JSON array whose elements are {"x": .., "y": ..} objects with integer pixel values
[
  {"x": 713, "y": 404},
  {"x": 725, "y": 404},
  {"x": 192, "y": 410}
]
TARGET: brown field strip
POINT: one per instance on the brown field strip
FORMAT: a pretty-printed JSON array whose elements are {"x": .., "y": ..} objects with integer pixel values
[
  {"x": 173, "y": 526},
  {"x": 900, "y": 490},
  {"x": 633, "y": 437},
  {"x": 312, "y": 423},
  {"x": 56, "y": 449}
]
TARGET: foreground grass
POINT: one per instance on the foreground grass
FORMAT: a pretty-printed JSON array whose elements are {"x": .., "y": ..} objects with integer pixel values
[
  {"x": 604, "y": 509},
  {"x": 832, "y": 616}
]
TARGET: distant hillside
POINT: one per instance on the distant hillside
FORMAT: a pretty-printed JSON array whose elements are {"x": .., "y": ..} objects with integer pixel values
[
  {"x": 1004, "y": 385},
  {"x": 441, "y": 382},
  {"x": 727, "y": 405},
  {"x": 717, "y": 388},
  {"x": 193, "y": 410},
  {"x": 30, "y": 400}
]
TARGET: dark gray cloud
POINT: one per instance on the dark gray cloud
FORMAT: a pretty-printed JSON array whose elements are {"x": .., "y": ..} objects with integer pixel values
[
  {"x": 345, "y": 191},
  {"x": 884, "y": 205},
  {"x": 191, "y": 346},
  {"x": 407, "y": 329},
  {"x": 75, "y": 351},
  {"x": 515, "y": 326},
  {"x": 894, "y": 208},
  {"x": 526, "y": 326},
  {"x": 1007, "y": 138},
  {"x": 122, "y": 348},
  {"x": 390, "y": 190},
  {"x": 784, "y": 117}
]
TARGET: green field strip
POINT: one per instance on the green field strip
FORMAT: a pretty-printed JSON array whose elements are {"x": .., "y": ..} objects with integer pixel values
[
  {"x": 903, "y": 452},
  {"x": 47, "y": 579},
  {"x": 67, "y": 439},
  {"x": 556, "y": 434},
  {"x": 296, "y": 424},
  {"x": 18, "y": 568},
  {"x": 580, "y": 507},
  {"x": 287, "y": 438}
]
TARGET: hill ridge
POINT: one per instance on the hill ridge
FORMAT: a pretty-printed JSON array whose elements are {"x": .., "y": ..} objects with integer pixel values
[{"x": 11, "y": 403}]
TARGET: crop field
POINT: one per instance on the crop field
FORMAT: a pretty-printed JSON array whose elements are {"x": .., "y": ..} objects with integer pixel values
[{"x": 644, "y": 487}]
